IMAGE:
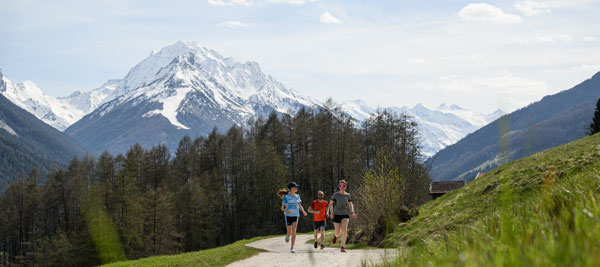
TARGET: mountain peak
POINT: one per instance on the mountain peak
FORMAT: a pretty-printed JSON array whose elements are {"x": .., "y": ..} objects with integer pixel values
[
  {"x": 455, "y": 107},
  {"x": 359, "y": 102},
  {"x": 420, "y": 106},
  {"x": 444, "y": 106}
]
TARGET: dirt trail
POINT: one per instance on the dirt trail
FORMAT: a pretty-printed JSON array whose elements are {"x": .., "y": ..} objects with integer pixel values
[{"x": 278, "y": 254}]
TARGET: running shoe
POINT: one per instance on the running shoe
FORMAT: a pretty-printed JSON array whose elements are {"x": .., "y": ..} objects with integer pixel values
[
  {"x": 287, "y": 238},
  {"x": 343, "y": 249},
  {"x": 334, "y": 239},
  {"x": 315, "y": 244},
  {"x": 322, "y": 246},
  {"x": 292, "y": 250}
]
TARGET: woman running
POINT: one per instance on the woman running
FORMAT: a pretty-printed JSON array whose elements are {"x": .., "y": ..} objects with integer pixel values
[
  {"x": 291, "y": 205},
  {"x": 318, "y": 207},
  {"x": 341, "y": 213}
]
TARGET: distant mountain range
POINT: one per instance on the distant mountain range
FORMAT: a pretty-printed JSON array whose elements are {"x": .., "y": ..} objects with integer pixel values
[
  {"x": 60, "y": 112},
  {"x": 27, "y": 142},
  {"x": 554, "y": 120},
  {"x": 438, "y": 127},
  {"x": 188, "y": 89}
]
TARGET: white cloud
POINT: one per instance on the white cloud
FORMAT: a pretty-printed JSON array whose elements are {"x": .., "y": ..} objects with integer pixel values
[
  {"x": 543, "y": 39},
  {"x": 234, "y": 25},
  {"x": 565, "y": 38},
  {"x": 483, "y": 12},
  {"x": 326, "y": 17},
  {"x": 589, "y": 38},
  {"x": 533, "y": 7},
  {"x": 291, "y": 2},
  {"x": 588, "y": 67},
  {"x": 230, "y": 2}
]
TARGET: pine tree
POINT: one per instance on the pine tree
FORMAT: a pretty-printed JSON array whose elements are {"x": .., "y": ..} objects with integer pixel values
[{"x": 595, "y": 125}]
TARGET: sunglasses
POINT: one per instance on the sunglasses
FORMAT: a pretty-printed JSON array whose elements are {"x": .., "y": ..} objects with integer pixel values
[{"x": 342, "y": 185}]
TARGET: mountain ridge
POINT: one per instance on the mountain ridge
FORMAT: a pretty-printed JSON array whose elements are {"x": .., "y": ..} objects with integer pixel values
[
  {"x": 439, "y": 127},
  {"x": 27, "y": 142},
  {"x": 553, "y": 120}
]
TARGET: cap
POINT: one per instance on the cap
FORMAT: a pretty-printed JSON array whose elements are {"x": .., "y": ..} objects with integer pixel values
[{"x": 292, "y": 184}]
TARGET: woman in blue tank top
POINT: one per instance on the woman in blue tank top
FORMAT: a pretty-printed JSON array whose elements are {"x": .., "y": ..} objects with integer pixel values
[{"x": 291, "y": 205}]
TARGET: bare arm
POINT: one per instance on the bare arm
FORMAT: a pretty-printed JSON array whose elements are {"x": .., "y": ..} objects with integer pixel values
[
  {"x": 351, "y": 209},
  {"x": 330, "y": 208},
  {"x": 311, "y": 210},
  {"x": 302, "y": 209}
]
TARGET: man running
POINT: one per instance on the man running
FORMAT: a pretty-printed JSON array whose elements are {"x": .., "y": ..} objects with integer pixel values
[
  {"x": 291, "y": 205},
  {"x": 341, "y": 213},
  {"x": 318, "y": 207}
]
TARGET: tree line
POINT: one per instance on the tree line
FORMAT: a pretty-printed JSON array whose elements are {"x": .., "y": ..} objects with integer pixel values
[{"x": 211, "y": 191}]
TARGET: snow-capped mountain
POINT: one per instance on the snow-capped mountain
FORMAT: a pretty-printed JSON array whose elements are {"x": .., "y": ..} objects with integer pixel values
[
  {"x": 438, "y": 127},
  {"x": 183, "y": 89},
  {"x": 60, "y": 112}
]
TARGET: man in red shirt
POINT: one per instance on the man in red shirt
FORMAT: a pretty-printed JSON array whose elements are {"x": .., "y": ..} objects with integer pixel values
[{"x": 318, "y": 207}]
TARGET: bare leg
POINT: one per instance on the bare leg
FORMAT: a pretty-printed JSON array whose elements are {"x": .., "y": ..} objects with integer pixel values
[
  {"x": 294, "y": 226},
  {"x": 322, "y": 235},
  {"x": 289, "y": 230},
  {"x": 344, "y": 231},
  {"x": 337, "y": 228},
  {"x": 316, "y": 233}
]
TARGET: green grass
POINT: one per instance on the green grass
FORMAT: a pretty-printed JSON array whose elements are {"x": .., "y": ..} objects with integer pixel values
[
  {"x": 543, "y": 210},
  {"x": 220, "y": 256}
]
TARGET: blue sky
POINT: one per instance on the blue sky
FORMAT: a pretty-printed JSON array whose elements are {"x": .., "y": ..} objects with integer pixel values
[{"x": 480, "y": 55}]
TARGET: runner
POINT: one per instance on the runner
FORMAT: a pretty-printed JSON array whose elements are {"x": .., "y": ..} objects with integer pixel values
[
  {"x": 318, "y": 207},
  {"x": 291, "y": 205},
  {"x": 341, "y": 213}
]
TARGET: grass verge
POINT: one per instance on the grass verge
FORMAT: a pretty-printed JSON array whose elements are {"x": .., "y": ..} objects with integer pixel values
[{"x": 220, "y": 256}]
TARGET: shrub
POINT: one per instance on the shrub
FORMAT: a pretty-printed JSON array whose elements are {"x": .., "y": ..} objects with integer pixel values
[{"x": 379, "y": 202}]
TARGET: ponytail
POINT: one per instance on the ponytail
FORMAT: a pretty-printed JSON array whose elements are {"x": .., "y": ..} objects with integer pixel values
[{"x": 282, "y": 192}]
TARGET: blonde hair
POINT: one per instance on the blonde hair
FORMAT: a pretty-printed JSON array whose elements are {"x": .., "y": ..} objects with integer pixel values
[{"x": 282, "y": 192}]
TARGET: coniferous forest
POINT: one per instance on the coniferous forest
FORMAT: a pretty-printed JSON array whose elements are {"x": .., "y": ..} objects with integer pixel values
[{"x": 211, "y": 191}]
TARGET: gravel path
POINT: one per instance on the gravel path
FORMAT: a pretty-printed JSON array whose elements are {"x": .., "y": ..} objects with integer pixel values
[{"x": 278, "y": 254}]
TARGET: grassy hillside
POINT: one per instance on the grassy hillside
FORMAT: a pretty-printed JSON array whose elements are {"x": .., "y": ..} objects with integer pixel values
[{"x": 540, "y": 210}]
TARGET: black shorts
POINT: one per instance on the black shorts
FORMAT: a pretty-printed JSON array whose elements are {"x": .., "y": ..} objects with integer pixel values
[
  {"x": 339, "y": 218},
  {"x": 319, "y": 224},
  {"x": 291, "y": 220}
]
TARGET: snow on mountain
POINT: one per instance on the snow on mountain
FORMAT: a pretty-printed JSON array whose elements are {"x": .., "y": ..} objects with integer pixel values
[
  {"x": 60, "y": 112},
  {"x": 6, "y": 127},
  {"x": 439, "y": 127},
  {"x": 189, "y": 67},
  {"x": 183, "y": 89},
  {"x": 358, "y": 109}
]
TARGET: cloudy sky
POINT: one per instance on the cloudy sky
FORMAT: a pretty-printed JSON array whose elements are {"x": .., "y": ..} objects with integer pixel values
[{"x": 480, "y": 55}]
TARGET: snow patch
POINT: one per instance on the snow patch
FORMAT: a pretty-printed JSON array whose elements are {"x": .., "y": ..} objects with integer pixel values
[
  {"x": 7, "y": 128},
  {"x": 169, "y": 107}
]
